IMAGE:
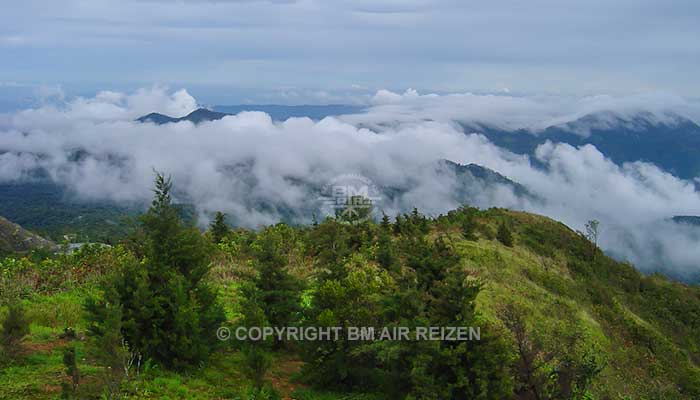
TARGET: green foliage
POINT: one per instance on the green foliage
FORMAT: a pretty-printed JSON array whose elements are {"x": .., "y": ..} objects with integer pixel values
[
  {"x": 267, "y": 392},
  {"x": 280, "y": 292},
  {"x": 256, "y": 354},
  {"x": 591, "y": 327},
  {"x": 48, "y": 210},
  {"x": 69, "y": 390},
  {"x": 431, "y": 292},
  {"x": 14, "y": 328},
  {"x": 218, "y": 228},
  {"x": 329, "y": 245},
  {"x": 386, "y": 249},
  {"x": 110, "y": 348},
  {"x": 469, "y": 224},
  {"x": 169, "y": 313},
  {"x": 356, "y": 209},
  {"x": 446, "y": 369},
  {"x": 504, "y": 235}
]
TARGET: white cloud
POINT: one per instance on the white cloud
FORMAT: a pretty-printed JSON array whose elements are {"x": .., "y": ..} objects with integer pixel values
[
  {"x": 240, "y": 162},
  {"x": 510, "y": 112}
]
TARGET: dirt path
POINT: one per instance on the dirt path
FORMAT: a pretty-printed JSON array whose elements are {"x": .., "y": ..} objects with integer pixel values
[{"x": 281, "y": 374}]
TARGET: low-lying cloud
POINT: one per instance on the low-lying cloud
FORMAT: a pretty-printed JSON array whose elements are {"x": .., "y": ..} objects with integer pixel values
[{"x": 252, "y": 167}]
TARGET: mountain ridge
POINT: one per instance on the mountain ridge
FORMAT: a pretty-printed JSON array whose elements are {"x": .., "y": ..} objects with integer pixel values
[
  {"x": 15, "y": 239},
  {"x": 276, "y": 112},
  {"x": 672, "y": 143}
]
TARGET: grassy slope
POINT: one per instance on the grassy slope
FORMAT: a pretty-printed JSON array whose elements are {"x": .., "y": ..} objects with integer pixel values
[
  {"x": 643, "y": 324},
  {"x": 616, "y": 308}
]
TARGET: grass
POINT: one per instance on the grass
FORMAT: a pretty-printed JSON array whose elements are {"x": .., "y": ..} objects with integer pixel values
[{"x": 639, "y": 323}]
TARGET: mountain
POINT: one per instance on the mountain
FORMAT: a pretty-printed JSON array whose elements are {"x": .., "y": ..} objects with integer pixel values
[
  {"x": 470, "y": 173},
  {"x": 49, "y": 209},
  {"x": 276, "y": 112},
  {"x": 52, "y": 210},
  {"x": 14, "y": 238},
  {"x": 687, "y": 219},
  {"x": 550, "y": 303},
  {"x": 158, "y": 119},
  {"x": 670, "y": 141},
  {"x": 197, "y": 116}
]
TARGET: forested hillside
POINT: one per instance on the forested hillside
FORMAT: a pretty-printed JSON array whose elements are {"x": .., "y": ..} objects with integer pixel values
[
  {"x": 558, "y": 319},
  {"x": 15, "y": 239}
]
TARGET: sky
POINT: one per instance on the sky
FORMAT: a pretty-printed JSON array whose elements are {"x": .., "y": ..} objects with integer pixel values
[{"x": 343, "y": 51}]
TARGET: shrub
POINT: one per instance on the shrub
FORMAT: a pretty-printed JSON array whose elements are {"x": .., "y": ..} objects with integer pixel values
[
  {"x": 504, "y": 235},
  {"x": 14, "y": 329},
  {"x": 169, "y": 313},
  {"x": 69, "y": 390}
]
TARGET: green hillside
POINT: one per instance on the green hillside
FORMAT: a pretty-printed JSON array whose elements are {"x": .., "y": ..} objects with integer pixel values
[
  {"x": 14, "y": 238},
  {"x": 558, "y": 318}
]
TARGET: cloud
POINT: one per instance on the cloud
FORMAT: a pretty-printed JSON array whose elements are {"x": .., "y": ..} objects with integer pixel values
[
  {"x": 253, "y": 168},
  {"x": 509, "y": 112}
]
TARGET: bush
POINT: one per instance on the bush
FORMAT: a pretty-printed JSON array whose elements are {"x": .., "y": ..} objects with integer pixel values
[
  {"x": 14, "y": 329},
  {"x": 69, "y": 390},
  {"x": 169, "y": 313},
  {"x": 504, "y": 235}
]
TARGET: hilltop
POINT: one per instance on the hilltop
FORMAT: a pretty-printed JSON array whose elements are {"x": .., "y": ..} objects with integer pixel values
[{"x": 575, "y": 308}]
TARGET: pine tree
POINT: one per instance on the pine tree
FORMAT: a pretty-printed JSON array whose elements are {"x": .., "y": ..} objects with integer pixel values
[
  {"x": 110, "y": 348},
  {"x": 170, "y": 314},
  {"x": 329, "y": 244},
  {"x": 385, "y": 225},
  {"x": 469, "y": 226},
  {"x": 398, "y": 225},
  {"x": 280, "y": 291},
  {"x": 504, "y": 236},
  {"x": 256, "y": 354},
  {"x": 14, "y": 329},
  {"x": 386, "y": 252},
  {"x": 70, "y": 362},
  {"x": 218, "y": 228}
]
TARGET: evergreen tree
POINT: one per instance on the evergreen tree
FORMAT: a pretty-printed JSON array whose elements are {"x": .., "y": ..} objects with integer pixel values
[
  {"x": 471, "y": 369},
  {"x": 279, "y": 291},
  {"x": 356, "y": 209},
  {"x": 504, "y": 236},
  {"x": 256, "y": 354},
  {"x": 385, "y": 225},
  {"x": 398, "y": 225},
  {"x": 386, "y": 251},
  {"x": 328, "y": 243},
  {"x": 14, "y": 329},
  {"x": 169, "y": 313},
  {"x": 70, "y": 362},
  {"x": 110, "y": 348},
  {"x": 469, "y": 226},
  {"x": 218, "y": 228}
]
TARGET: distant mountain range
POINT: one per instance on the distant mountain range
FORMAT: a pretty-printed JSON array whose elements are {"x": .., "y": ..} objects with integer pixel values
[
  {"x": 276, "y": 112},
  {"x": 49, "y": 208},
  {"x": 671, "y": 142},
  {"x": 687, "y": 220},
  {"x": 196, "y": 116}
]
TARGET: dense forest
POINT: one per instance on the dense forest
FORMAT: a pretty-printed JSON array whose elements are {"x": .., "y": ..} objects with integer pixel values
[{"x": 143, "y": 318}]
